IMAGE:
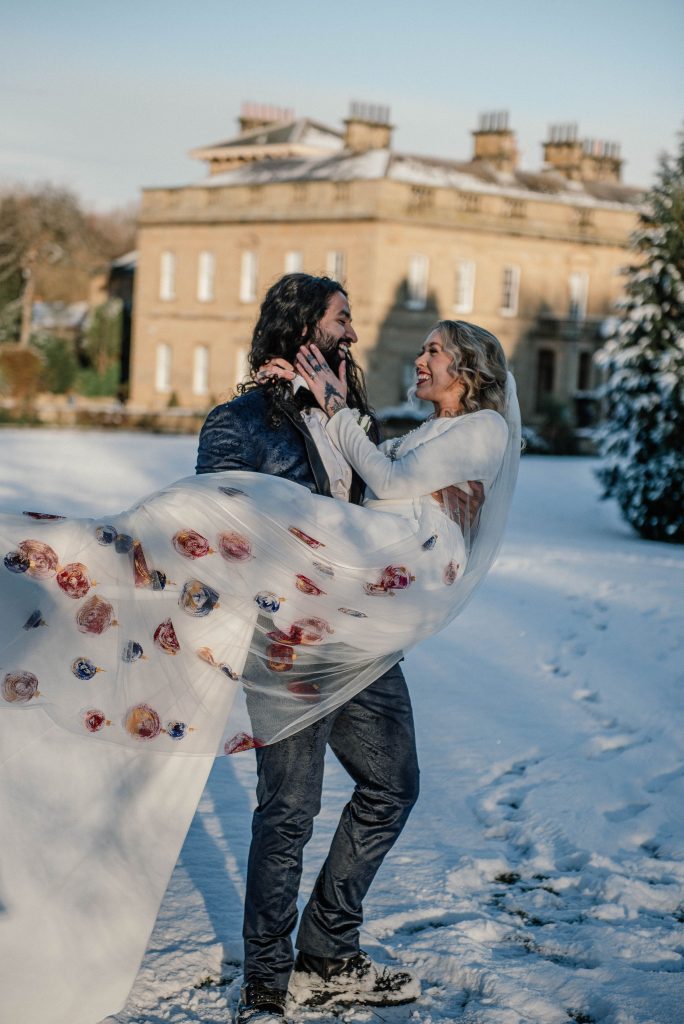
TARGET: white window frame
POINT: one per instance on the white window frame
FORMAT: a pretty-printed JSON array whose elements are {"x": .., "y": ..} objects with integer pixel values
[
  {"x": 163, "y": 369},
  {"x": 249, "y": 269},
  {"x": 200, "y": 370},
  {"x": 294, "y": 261},
  {"x": 417, "y": 280},
  {"x": 578, "y": 288},
  {"x": 242, "y": 367},
  {"x": 465, "y": 286},
  {"x": 336, "y": 265},
  {"x": 167, "y": 276},
  {"x": 510, "y": 290},
  {"x": 206, "y": 273}
]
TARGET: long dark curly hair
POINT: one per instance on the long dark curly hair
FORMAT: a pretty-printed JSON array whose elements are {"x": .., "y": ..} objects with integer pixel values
[{"x": 291, "y": 311}]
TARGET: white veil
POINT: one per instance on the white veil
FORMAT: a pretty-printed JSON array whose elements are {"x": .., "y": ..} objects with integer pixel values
[{"x": 231, "y": 590}]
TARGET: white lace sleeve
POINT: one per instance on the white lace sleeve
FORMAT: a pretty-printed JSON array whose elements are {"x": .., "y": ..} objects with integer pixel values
[{"x": 470, "y": 448}]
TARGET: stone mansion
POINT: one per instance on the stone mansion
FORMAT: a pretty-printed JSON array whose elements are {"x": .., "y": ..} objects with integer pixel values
[{"x": 534, "y": 257}]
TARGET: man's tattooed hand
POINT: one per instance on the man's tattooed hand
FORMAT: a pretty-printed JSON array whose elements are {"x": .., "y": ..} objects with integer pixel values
[
  {"x": 332, "y": 400},
  {"x": 328, "y": 388}
]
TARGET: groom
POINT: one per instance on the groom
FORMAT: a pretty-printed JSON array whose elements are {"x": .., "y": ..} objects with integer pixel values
[{"x": 270, "y": 429}]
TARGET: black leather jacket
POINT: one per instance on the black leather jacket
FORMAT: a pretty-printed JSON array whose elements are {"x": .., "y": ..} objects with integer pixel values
[{"x": 237, "y": 435}]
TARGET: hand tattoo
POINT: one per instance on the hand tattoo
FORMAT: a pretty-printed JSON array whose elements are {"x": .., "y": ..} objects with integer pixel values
[{"x": 332, "y": 400}]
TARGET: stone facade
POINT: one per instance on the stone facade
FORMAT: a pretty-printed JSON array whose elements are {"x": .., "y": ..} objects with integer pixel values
[{"x": 535, "y": 258}]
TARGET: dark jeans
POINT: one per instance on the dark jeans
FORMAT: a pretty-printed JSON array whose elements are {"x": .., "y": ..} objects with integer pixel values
[{"x": 372, "y": 736}]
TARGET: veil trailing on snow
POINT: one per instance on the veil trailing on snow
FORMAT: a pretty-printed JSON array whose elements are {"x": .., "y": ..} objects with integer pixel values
[{"x": 230, "y": 610}]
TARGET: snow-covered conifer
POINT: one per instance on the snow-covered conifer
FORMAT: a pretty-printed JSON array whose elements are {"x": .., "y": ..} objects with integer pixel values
[{"x": 642, "y": 441}]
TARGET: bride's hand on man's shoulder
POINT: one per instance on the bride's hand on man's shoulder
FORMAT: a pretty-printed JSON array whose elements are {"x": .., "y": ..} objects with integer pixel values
[{"x": 273, "y": 369}]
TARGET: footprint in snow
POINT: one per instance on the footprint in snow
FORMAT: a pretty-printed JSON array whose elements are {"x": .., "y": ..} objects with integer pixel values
[
  {"x": 660, "y": 782},
  {"x": 625, "y": 813}
]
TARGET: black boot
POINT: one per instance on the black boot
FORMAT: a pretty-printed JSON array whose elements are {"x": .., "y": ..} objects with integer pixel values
[
  {"x": 261, "y": 1005},
  {"x": 317, "y": 981}
]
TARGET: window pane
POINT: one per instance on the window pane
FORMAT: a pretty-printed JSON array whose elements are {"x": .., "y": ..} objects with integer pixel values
[
  {"x": 200, "y": 370},
  {"x": 584, "y": 374},
  {"x": 242, "y": 369},
  {"x": 163, "y": 368},
  {"x": 546, "y": 371},
  {"x": 417, "y": 282},
  {"x": 205, "y": 276},
  {"x": 248, "y": 277},
  {"x": 465, "y": 287},
  {"x": 578, "y": 284},
  {"x": 336, "y": 265},
  {"x": 510, "y": 280},
  {"x": 294, "y": 261},
  {"x": 167, "y": 276}
]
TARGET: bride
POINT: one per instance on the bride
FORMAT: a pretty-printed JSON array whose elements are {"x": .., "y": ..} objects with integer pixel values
[{"x": 138, "y": 632}]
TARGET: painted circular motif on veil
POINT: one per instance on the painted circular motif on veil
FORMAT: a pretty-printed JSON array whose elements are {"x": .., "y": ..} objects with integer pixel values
[
  {"x": 312, "y": 629},
  {"x": 43, "y": 561},
  {"x": 106, "y": 534},
  {"x": 280, "y": 657},
  {"x": 191, "y": 544},
  {"x": 393, "y": 577},
  {"x": 95, "y": 616},
  {"x": 16, "y": 562},
  {"x": 94, "y": 719},
  {"x": 20, "y": 687},
  {"x": 165, "y": 637},
  {"x": 176, "y": 730},
  {"x": 450, "y": 573},
  {"x": 143, "y": 722},
  {"x": 197, "y": 598},
  {"x": 84, "y": 668},
  {"x": 131, "y": 651},
  {"x": 234, "y": 546},
  {"x": 267, "y": 601},
  {"x": 241, "y": 741},
  {"x": 73, "y": 580},
  {"x": 305, "y": 691},
  {"x": 307, "y": 586}
]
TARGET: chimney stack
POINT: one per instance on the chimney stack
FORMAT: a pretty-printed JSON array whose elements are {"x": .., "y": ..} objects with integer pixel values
[
  {"x": 495, "y": 142},
  {"x": 261, "y": 115},
  {"x": 581, "y": 159},
  {"x": 367, "y": 127}
]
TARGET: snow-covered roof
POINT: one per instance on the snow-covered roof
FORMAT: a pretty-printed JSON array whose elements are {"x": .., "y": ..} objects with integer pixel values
[
  {"x": 302, "y": 131},
  {"x": 471, "y": 176},
  {"x": 58, "y": 315},
  {"x": 128, "y": 261}
]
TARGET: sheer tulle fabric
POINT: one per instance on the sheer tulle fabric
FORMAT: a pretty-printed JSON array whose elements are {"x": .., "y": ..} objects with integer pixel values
[{"x": 231, "y": 598}]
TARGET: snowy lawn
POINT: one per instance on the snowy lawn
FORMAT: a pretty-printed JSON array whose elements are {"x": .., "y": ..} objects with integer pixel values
[{"x": 540, "y": 878}]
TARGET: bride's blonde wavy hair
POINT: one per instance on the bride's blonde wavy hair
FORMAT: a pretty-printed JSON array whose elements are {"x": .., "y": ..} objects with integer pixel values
[{"x": 479, "y": 359}]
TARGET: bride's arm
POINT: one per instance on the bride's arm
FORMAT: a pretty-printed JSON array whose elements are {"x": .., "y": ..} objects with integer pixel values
[{"x": 470, "y": 448}]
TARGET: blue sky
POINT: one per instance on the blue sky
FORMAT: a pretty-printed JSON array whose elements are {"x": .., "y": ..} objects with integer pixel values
[{"x": 107, "y": 99}]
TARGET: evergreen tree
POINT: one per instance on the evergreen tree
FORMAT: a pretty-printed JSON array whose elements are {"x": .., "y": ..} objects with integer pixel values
[{"x": 643, "y": 440}]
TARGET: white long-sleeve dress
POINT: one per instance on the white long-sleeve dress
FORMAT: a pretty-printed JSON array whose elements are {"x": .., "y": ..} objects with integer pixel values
[{"x": 125, "y": 638}]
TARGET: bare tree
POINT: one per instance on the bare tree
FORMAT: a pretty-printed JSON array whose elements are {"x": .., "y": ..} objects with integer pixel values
[{"x": 44, "y": 228}]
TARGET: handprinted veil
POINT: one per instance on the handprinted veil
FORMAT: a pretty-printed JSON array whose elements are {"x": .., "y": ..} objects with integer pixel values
[
  {"x": 224, "y": 612},
  {"x": 144, "y": 627}
]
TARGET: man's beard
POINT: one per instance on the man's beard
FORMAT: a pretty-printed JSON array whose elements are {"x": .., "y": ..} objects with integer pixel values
[{"x": 330, "y": 347}]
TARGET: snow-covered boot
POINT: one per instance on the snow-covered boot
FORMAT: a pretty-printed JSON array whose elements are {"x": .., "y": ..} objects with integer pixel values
[{"x": 317, "y": 981}]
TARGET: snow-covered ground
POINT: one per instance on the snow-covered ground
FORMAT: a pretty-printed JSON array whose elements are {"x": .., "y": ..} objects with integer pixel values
[{"x": 540, "y": 878}]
